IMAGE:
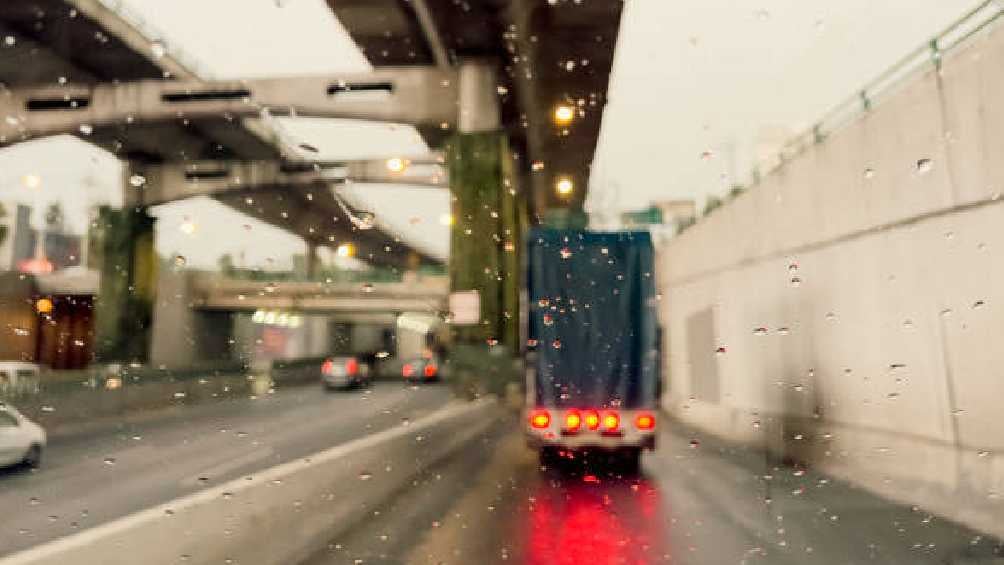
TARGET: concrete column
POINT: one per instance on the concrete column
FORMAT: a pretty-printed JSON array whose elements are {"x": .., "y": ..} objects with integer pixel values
[
  {"x": 128, "y": 267},
  {"x": 488, "y": 211},
  {"x": 312, "y": 261}
]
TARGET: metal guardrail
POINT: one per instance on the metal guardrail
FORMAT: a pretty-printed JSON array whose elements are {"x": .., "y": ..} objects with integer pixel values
[{"x": 971, "y": 23}]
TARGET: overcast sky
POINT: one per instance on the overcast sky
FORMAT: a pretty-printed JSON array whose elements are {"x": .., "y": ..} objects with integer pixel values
[
  {"x": 691, "y": 77},
  {"x": 696, "y": 76}
]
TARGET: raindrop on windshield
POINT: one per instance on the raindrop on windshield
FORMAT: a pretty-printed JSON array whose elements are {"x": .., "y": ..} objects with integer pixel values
[
  {"x": 924, "y": 166},
  {"x": 761, "y": 331},
  {"x": 86, "y": 129},
  {"x": 180, "y": 261},
  {"x": 137, "y": 181},
  {"x": 158, "y": 49}
]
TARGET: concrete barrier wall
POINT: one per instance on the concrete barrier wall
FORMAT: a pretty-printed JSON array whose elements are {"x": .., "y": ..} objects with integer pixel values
[
  {"x": 847, "y": 312},
  {"x": 281, "y": 515}
]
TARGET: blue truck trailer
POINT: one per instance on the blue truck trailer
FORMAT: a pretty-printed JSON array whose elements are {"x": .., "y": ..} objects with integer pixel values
[{"x": 593, "y": 361}]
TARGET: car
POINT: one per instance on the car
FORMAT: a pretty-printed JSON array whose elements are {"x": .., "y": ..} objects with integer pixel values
[
  {"x": 423, "y": 369},
  {"x": 344, "y": 372},
  {"x": 21, "y": 440}
]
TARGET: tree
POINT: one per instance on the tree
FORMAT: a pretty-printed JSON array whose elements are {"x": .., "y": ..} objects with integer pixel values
[
  {"x": 3, "y": 228},
  {"x": 711, "y": 204},
  {"x": 226, "y": 263}
]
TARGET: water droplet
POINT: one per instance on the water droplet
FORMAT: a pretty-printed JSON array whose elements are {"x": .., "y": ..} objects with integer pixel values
[
  {"x": 109, "y": 460},
  {"x": 566, "y": 253},
  {"x": 892, "y": 395},
  {"x": 271, "y": 287},
  {"x": 869, "y": 173},
  {"x": 796, "y": 282},
  {"x": 158, "y": 49},
  {"x": 831, "y": 317},
  {"x": 137, "y": 180},
  {"x": 556, "y": 344},
  {"x": 20, "y": 331},
  {"x": 907, "y": 324},
  {"x": 978, "y": 304},
  {"x": 180, "y": 261},
  {"x": 924, "y": 166},
  {"x": 720, "y": 351},
  {"x": 547, "y": 319},
  {"x": 706, "y": 155},
  {"x": 34, "y": 501},
  {"x": 368, "y": 288},
  {"x": 982, "y": 453},
  {"x": 762, "y": 14},
  {"x": 86, "y": 129},
  {"x": 694, "y": 444},
  {"x": 761, "y": 331}
]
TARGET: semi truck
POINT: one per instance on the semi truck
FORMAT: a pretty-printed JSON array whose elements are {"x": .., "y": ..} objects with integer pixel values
[{"x": 593, "y": 356}]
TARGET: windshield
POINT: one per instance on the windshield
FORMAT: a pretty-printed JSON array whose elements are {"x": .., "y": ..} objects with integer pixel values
[{"x": 298, "y": 282}]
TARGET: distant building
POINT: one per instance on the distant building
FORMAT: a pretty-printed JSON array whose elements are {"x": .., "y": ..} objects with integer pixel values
[{"x": 18, "y": 241}]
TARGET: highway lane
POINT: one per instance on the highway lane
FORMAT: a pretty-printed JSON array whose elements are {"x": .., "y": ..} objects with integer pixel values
[
  {"x": 696, "y": 501},
  {"x": 90, "y": 478}
]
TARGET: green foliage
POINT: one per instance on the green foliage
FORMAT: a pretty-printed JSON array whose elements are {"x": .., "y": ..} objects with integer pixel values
[{"x": 712, "y": 204}]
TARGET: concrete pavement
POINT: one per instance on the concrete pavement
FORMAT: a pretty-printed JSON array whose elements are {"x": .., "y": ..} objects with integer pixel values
[
  {"x": 696, "y": 501},
  {"x": 93, "y": 478}
]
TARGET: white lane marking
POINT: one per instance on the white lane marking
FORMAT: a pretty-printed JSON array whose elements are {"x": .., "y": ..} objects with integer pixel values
[
  {"x": 228, "y": 466},
  {"x": 95, "y": 534}
]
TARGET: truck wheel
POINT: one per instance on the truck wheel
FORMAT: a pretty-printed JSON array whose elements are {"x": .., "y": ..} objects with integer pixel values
[
  {"x": 548, "y": 457},
  {"x": 629, "y": 460}
]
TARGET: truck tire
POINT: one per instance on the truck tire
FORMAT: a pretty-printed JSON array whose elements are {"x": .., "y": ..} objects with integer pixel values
[
  {"x": 629, "y": 460},
  {"x": 548, "y": 457}
]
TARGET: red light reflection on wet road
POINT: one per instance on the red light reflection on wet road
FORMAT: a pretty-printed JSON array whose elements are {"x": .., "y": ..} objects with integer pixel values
[{"x": 595, "y": 521}]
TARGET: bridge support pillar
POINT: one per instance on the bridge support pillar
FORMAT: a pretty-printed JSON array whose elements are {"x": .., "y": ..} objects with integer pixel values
[
  {"x": 488, "y": 211},
  {"x": 128, "y": 265}
]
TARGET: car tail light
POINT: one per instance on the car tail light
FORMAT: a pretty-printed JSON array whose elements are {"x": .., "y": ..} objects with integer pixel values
[
  {"x": 429, "y": 371},
  {"x": 540, "y": 419},
  {"x": 573, "y": 420},
  {"x": 591, "y": 419},
  {"x": 351, "y": 366},
  {"x": 407, "y": 370},
  {"x": 645, "y": 422},
  {"x": 327, "y": 366},
  {"x": 611, "y": 421}
]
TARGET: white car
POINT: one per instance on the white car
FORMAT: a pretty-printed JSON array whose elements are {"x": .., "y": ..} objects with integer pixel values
[{"x": 21, "y": 440}]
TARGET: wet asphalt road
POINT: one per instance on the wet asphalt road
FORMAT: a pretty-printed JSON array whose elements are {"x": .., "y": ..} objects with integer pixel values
[
  {"x": 692, "y": 503},
  {"x": 93, "y": 477}
]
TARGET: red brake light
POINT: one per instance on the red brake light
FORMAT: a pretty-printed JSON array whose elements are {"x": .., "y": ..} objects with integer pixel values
[
  {"x": 351, "y": 366},
  {"x": 407, "y": 370},
  {"x": 592, "y": 419},
  {"x": 540, "y": 419},
  {"x": 429, "y": 371},
  {"x": 645, "y": 422},
  {"x": 573, "y": 420},
  {"x": 327, "y": 366},
  {"x": 611, "y": 421}
]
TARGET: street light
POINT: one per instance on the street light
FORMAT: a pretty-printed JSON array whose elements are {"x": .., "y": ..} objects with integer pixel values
[
  {"x": 396, "y": 165},
  {"x": 346, "y": 250},
  {"x": 564, "y": 187},
  {"x": 563, "y": 114}
]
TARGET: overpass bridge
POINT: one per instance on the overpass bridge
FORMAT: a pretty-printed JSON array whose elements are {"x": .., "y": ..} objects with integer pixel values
[{"x": 512, "y": 91}]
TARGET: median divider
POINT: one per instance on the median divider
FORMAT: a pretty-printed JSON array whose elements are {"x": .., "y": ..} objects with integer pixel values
[{"x": 280, "y": 515}]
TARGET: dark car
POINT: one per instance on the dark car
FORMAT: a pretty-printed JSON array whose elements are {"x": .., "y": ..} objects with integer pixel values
[
  {"x": 344, "y": 372},
  {"x": 420, "y": 370}
]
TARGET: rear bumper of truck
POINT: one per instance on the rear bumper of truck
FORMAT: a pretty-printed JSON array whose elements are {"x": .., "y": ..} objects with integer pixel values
[{"x": 556, "y": 434}]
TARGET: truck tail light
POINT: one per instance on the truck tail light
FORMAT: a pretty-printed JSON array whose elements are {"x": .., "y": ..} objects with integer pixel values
[
  {"x": 429, "y": 371},
  {"x": 407, "y": 370},
  {"x": 573, "y": 420},
  {"x": 645, "y": 421},
  {"x": 327, "y": 366},
  {"x": 611, "y": 421},
  {"x": 540, "y": 419},
  {"x": 591, "y": 419}
]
